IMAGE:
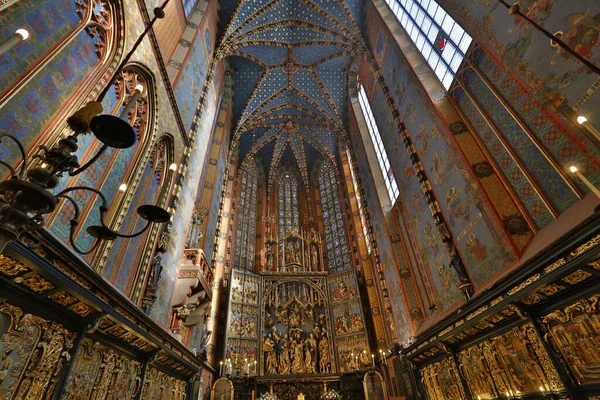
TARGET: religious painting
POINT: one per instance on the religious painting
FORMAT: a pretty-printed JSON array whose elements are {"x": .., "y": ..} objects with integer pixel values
[
  {"x": 575, "y": 332},
  {"x": 243, "y": 320},
  {"x": 374, "y": 386},
  {"x": 296, "y": 338},
  {"x": 343, "y": 287},
  {"x": 352, "y": 352},
  {"x": 222, "y": 390},
  {"x": 347, "y": 318},
  {"x": 244, "y": 288}
]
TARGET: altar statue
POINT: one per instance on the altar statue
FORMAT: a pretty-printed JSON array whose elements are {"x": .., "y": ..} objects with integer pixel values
[
  {"x": 284, "y": 356},
  {"x": 270, "y": 356},
  {"x": 310, "y": 355},
  {"x": 314, "y": 258},
  {"x": 324, "y": 362},
  {"x": 298, "y": 362}
]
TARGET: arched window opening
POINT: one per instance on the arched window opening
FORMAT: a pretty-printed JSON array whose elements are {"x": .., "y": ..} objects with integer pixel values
[
  {"x": 382, "y": 157},
  {"x": 246, "y": 226},
  {"x": 441, "y": 40},
  {"x": 127, "y": 259},
  {"x": 333, "y": 219},
  {"x": 115, "y": 166},
  {"x": 287, "y": 200}
]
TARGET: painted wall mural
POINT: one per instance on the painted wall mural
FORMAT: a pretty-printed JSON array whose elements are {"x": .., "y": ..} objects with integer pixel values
[
  {"x": 183, "y": 213},
  {"x": 483, "y": 246},
  {"x": 188, "y": 85},
  {"x": 551, "y": 76}
]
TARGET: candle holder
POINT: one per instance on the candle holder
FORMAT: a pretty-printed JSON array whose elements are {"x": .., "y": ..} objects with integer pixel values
[
  {"x": 588, "y": 184},
  {"x": 26, "y": 197}
]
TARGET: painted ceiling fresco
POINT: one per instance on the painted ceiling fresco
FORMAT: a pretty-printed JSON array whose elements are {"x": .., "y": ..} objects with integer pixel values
[{"x": 289, "y": 60}]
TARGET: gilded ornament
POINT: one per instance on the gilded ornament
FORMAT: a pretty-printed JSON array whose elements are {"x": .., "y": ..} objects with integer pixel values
[
  {"x": 595, "y": 265},
  {"x": 476, "y": 313},
  {"x": 11, "y": 267},
  {"x": 576, "y": 277},
  {"x": 38, "y": 284},
  {"x": 586, "y": 246},
  {"x": 532, "y": 299},
  {"x": 555, "y": 265},
  {"x": 496, "y": 301},
  {"x": 551, "y": 289},
  {"x": 82, "y": 309},
  {"x": 62, "y": 298},
  {"x": 524, "y": 284}
]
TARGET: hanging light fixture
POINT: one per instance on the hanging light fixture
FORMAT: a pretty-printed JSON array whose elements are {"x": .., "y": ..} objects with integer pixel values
[{"x": 26, "y": 197}]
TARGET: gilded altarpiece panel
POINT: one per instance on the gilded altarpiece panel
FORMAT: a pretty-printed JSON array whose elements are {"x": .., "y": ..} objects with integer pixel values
[
  {"x": 242, "y": 328},
  {"x": 515, "y": 363},
  {"x": 574, "y": 332},
  {"x": 32, "y": 354},
  {"x": 348, "y": 321},
  {"x": 101, "y": 373},
  {"x": 296, "y": 337}
]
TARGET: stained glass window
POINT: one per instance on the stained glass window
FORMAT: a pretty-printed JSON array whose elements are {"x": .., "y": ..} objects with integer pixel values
[
  {"x": 289, "y": 218},
  {"x": 359, "y": 201},
  {"x": 441, "y": 41},
  {"x": 246, "y": 228},
  {"x": 382, "y": 158},
  {"x": 333, "y": 219}
]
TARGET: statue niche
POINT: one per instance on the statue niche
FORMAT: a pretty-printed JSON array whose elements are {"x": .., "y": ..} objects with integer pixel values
[
  {"x": 298, "y": 252},
  {"x": 296, "y": 337}
]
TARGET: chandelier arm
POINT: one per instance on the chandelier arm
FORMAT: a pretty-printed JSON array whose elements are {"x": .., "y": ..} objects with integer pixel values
[
  {"x": 134, "y": 234},
  {"x": 73, "y": 202},
  {"x": 90, "y": 162},
  {"x": 21, "y": 149},
  {"x": 74, "y": 245},
  {"x": 13, "y": 173},
  {"x": 74, "y": 188}
]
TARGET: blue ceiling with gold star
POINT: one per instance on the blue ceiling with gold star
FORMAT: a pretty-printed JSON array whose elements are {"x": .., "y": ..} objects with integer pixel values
[{"x": 289, "y": 60}]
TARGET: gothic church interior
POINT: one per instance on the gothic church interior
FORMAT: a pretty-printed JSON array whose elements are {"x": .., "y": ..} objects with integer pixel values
[{"x": 299, "y": 199}]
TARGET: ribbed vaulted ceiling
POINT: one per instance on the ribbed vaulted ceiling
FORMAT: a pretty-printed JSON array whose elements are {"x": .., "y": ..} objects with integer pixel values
[{"x": 289, "y": 60}]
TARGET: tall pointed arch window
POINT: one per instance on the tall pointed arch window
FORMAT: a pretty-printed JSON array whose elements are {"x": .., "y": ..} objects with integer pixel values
[
  {"x": 361, "y": 210},
  {"x": 333, "y": 219},
  {"x": 288, "y": 217},
  {"x": 246, "y": 229},
  {"x": 382, "y": 158},
  {"x": 442, "y": 42}
]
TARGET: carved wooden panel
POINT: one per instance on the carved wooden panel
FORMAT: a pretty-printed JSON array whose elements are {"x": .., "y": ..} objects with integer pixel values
[
  {"x": 442, "y": 382},
  {"x": 32, "y": 354},
  {"x": 574, "y": 332},
  {"x": 158, "y": 386},
  {"x": 515, "y": 363},
  {"x": 100, "y": 373}
]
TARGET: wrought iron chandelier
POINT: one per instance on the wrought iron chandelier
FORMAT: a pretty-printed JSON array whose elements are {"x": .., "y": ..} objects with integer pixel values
[{"x": 26, "y": 197}]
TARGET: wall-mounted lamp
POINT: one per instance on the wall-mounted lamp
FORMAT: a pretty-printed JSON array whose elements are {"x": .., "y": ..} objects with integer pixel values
[
  {"x": 173, "y": 167},
  {"x": 19, "y": 36}
]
